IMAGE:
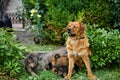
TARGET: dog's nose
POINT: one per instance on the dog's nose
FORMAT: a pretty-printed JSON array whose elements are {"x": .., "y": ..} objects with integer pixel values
[{"x": 69, "y": 30}]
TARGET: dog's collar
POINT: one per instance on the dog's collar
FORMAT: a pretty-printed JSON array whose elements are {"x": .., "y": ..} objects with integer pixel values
[{"x": 78, "y": 38}]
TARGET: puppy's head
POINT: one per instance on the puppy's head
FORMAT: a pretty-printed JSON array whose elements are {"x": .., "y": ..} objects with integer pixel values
[
  {"x": 60, "y": 64},
  {"x": 59, "y": 59},
  {"x": 31, "y": 60},
  {"x": 75, "y": 29},
  {"x": 61, "y": 70}
]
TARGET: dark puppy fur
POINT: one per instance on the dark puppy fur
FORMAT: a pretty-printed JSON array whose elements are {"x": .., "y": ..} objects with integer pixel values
[
  {"x": 60, "y": 65},
  {"x": 33, "y": 62}
]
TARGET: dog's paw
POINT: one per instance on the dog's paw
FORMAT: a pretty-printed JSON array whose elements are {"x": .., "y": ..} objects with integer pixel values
[
  {"x": 93, "y": 77},
  {"x": 67, "y": 77}
]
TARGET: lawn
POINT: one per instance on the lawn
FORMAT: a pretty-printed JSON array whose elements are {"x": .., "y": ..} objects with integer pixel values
[{"x": 102, "y": 74}]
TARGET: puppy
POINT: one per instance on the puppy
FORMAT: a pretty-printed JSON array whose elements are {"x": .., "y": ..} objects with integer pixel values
[
  {"x": 78, "y": 48},
  {"x": 60, "y": 65},
  {"x": 33, "y": 62},
  {"x": 47, "y": 59}
]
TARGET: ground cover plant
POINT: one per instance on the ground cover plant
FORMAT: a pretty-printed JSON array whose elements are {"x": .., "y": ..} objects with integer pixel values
[{"x": 11, "y": 53}]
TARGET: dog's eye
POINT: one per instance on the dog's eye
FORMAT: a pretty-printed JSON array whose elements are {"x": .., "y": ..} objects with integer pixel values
[{"x": 75, "y": 26}]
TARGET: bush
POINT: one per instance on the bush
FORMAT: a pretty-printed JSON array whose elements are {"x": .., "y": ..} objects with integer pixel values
[
  {"x": 10, "y": 54},
  {"x": 105, "y": 46},
  {"x": 57, "y": 13},
  {"x": 34, "y": 10},
  {"x": 61, "y": 12},
  {"x": 115, "y": 10}
]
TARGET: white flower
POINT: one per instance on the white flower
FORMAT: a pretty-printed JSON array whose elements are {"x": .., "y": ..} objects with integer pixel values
[
  {"x": 39, "y": 16},
  {"x": 33, "y": 11},
  {"x": 31, "y": 15}
]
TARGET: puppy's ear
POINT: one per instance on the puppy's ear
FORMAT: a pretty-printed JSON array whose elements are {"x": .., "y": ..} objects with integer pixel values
[
  {"x": 82, "y": 28},
  {"x": 57, "y": 56}
]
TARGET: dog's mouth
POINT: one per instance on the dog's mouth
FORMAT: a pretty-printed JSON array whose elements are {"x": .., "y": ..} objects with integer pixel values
[{"x": 70, "y": 33}]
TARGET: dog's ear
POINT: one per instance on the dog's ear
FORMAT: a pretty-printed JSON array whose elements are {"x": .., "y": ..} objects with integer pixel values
[
  {"x": 57, "y": 56},
  {"x": 82, "y": 28},
  {"x": 67, "y": 26}
]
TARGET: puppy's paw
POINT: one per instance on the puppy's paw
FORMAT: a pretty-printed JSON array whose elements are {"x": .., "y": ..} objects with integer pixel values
[{"x": 34, "y": 74}]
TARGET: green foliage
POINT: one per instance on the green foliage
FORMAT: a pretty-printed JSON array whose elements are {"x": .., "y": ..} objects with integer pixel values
[
  {"x": 42, "y": 75},
  {"x": 105, "y": 46},
  {"x": 37, "y": 24},
  {"x": 61, "y": 12},
  {"x": 58, "y": 13},
  {"x": 115, "y": 13},
  {"x": 36, "y": 17},
  {"x": 57, "y": 17},
  {"x": 10, "y": 54},
  {"x": 101, "y": 74},
  {"x": 98, "y": 12}
]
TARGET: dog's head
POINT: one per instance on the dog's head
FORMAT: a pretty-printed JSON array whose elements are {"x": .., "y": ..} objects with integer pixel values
[{"x": 75, "y": 29}]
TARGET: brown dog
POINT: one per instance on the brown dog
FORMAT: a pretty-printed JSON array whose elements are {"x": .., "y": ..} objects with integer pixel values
[{"x": 78, "y": 48}]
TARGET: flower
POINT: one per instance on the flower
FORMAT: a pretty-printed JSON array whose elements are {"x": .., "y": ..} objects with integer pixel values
[
  {"x": 39, "y": 16},
  {"x": 33, "y": 11},
  {"x": 31, "y": 15}
]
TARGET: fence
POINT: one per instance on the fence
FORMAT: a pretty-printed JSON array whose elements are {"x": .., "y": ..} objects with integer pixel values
[{"x": 16, "y": 19}]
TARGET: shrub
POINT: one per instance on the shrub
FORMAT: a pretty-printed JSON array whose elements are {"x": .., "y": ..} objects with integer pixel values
[
  {"x": 105, "y": 46},
  {"x": 61, "y": 12},
  {"x": 10, "y": 54},
  {"x": 34, "y": 10},
  {"x": 115, "y": 13}
]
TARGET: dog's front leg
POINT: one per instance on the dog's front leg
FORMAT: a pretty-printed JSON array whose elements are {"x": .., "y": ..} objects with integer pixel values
[
  {"x": 71, "y": 64},
  {"x": 31, "y": 71},
  {"x": 87, "y": 64}
]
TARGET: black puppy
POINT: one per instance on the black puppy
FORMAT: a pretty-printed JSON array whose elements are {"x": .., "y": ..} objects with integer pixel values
[{"x": 31, "y": 64}]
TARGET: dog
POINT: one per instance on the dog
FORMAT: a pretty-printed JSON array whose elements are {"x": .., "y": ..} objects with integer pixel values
[
  {"x": 60, "y": 65},
  {"x": 78, "y": 48},
  {"x": 47, "y": 59},
  {"x": 33, "y": 62}
]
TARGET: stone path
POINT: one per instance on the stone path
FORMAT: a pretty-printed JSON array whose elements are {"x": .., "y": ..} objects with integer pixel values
[{"x": 24, "y": 36}]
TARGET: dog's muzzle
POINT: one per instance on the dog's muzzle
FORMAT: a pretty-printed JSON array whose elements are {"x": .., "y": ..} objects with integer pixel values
[{"x": 70, "y": 33}]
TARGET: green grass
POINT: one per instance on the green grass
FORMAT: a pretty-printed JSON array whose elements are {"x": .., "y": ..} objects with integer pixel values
[
  {"x": 102, "y": 74},
  {"x": 34, "y": 47}
]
